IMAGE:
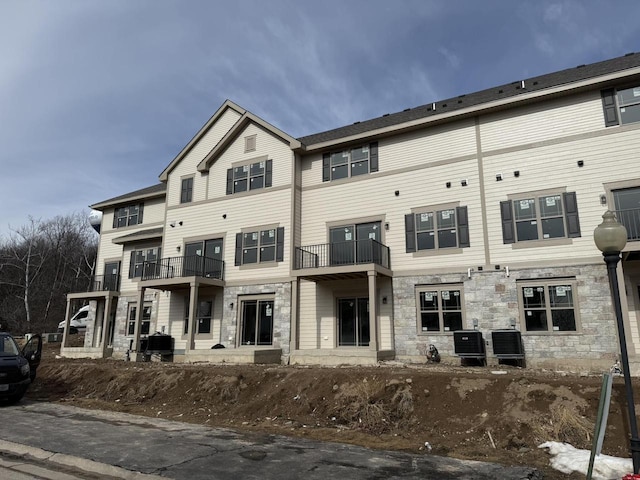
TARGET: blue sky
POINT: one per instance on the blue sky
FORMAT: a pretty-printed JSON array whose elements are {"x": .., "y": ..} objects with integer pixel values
[{"x": 97, "y": 97}]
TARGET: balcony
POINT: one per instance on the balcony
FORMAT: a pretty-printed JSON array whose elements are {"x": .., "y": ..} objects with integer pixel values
[
  {"x": 99, "y": 283},
  {"x": 179, "y": 267},
  {"x": 341, "y": 254},
  {"x": 630, "y": 218}
]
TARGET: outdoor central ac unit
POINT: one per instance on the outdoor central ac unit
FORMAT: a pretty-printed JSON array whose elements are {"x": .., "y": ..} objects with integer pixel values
[
  {"x": 507, "y": 344},
  {"x": 468, "y": 344}
]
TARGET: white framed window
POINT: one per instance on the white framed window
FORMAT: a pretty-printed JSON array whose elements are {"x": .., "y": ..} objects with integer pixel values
[
  {"x": 439, "y": 308},
  {"x": 548, "y": 305}
]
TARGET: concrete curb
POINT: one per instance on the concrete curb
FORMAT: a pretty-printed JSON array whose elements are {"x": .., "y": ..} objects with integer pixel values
[{"x": 76, "y": 462}]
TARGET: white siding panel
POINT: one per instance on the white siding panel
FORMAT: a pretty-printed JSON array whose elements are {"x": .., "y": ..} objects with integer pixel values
[
  {"x": 266, "y": 144},
  {"x": 609, "y": 158},
  {"x": 206, "y": 219},
  {"x": 409, "y": 150},
  {"x": 189, "y": 163},
  {"x": 542, "y": 121},
  {"x": 376, "y": 197}
]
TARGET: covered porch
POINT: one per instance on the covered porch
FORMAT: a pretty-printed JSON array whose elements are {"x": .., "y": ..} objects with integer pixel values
[{"x": 342, "y": 304}]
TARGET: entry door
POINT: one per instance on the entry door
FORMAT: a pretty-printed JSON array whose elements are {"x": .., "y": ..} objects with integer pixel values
[
  {"x": 203, "y": 258},
  {"x": 366, "y": 250},
  {"x": 342, "y": 242},
  {"x": 111, "y": 274},
  {"x": 353, "y": 322},
  {"x": 213, "y": 261}
]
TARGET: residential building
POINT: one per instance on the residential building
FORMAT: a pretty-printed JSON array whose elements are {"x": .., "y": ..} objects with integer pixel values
[{"x": 374, "y": 240}]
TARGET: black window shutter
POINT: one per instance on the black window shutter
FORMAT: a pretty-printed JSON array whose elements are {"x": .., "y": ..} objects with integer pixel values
[
  {"x": 268, "y": 173},
  {"x": 238, "y": 249},
  {"x": 140, "y": 210},
  {"x": 609, "y": 107},
  {"x": 463, "y": 227},
  {"x": 373, "y": 157},
  {"x": 132, "y": 264},
  {"x": 326, "y": 167},
  {"x": 280, "y": 244},
  {"x": 571, "y": 214},
  {"x": 506, "y": 212},
  {"x": 115, "y": 218},
  {"x": 410, "y": 232},
  {"x": 230, "y": 181}
]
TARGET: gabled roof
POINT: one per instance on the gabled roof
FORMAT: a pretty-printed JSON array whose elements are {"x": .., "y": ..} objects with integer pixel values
[
  {"x": 228, "y": 104},
  {"x": 483, "y": 97},
  {"x": 246, "y": 119},
  {"x": 158, "y": 190}
]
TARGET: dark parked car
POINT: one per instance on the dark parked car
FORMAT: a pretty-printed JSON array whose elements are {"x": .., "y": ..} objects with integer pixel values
[{"x": 18, "y": 367}]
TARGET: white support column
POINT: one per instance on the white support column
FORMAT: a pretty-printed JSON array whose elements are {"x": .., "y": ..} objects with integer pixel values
[
  {"x": 65, "y": 335},
  {"x": 295, "y": 294},
  {"x": 373, "y": 311},
  {"x": 193, "y": 307}
]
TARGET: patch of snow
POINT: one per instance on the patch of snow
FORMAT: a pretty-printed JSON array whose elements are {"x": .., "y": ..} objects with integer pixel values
[{"x": 567, "y": 459}]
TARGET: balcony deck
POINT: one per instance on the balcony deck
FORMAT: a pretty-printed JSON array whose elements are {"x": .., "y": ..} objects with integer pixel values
[
  {"x": 177, "y": 271},
  {"x": 351, "y": 259}
]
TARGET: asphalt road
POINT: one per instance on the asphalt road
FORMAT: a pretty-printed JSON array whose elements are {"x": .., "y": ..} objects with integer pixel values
[{"x": 117, "y": 445}]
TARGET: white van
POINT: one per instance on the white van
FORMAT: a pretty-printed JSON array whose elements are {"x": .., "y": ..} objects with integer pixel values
[{"x": 78, "y": 322}]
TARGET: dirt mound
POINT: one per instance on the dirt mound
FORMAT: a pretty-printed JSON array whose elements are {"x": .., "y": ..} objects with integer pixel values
[{"x": 470, "y": 413}]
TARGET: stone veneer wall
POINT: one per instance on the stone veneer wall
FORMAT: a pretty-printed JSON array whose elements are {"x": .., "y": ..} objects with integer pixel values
[
  {"x": 120, "y": 338},
  {"x": 281, "y": 313},
  {"x": 491, "y": 297}
]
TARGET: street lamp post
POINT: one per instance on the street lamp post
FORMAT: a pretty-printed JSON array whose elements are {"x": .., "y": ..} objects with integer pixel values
[{"x": 610, "y": 238}]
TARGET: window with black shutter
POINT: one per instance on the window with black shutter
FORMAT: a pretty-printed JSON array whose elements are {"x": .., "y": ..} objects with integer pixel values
[
  {"x": 348, "y": 163},
  {"x": 437, "y": 229}
]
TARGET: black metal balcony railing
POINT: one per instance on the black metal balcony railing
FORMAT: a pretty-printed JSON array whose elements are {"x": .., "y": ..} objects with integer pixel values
[
  {"x": 189, "y": 266},
  {"x": 630, "y": 218},
  {"x": 342, "y": 253},
  {"x": 99, "y": 283}
]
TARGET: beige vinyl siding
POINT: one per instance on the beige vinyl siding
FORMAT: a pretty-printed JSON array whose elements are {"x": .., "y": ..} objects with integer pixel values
[
  {"x": 188, "y": 165},
  {"x": 152, "y": 215},
  {"x": 412, "y": 149},
  {"x": 318, "y": 315},
  {"x": 267, "y": 145},
  {"x": 376, "y": 197},
  {"x": 542, "y": 121},
  {"x": 608, "y": 158},
  {"x": 206, "y": 220}
]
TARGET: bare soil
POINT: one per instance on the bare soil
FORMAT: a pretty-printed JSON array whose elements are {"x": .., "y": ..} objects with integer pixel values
[{"x": 432, "y": 409}]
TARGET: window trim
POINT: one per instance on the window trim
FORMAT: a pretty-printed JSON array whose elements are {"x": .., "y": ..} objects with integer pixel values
[
  {"x": 267, "y": 175},
  {"x": 131, "y": 324},
  {"x": 462, "y": 230},
  {"x": 439, "y": 288},
  {"x": 570, "y": 217},
  {"x": 240, "y": 323},
  {"x": 546, "y": 283},
  {"x": 186, "y": 190},
  {"x": 611, "y": 105},
  {"x": 116, "y": 217},
  {"x": 278, "y": 247},
  {"x": 185, "y": 318},
  {"x": 327, "y": 167}
]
